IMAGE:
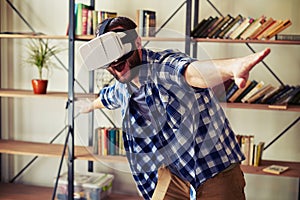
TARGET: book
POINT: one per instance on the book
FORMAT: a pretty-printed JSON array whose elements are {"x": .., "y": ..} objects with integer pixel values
[
  {"x": 244, "y": 146},
  {"x": 193, "y": 32},
  {"x": 223, "y": 27},
  {"x": 212, "y": 27},
  {"x": 295, "y": 100},
  {"x": 220, "y": 89},
  {"x": 90, "y": 30},
  {"x": 237, "y": 19},
  {"x": 257, "y": 87},
  {"x": 204, "y": 26},
  {"x": 270, "y": 94},
  {"x": 214, "y": 31},
  {"x": 239, "y": 92},
  {"x": 94, "y": 21},
  {"x": 281, "y": 92},
  {"x": 251, "y": 150},
  {"x": 241, "y": 28},
  {"x": 233, "y": 28},
  {"x": 282, "y": 26},
  {"x": 280, "y": 99},
  {"x": 146, "y": 22},
  {"x": 291, "y": 37},
  {"x": 258, "y": 153},
  {"x": 275, "y": 169},
  {"x": 247, "y": 145},
  {"x": 231, "y": 91},
  {"x": 260, "y": 93},
  {"x": 262, "y": 28},
  {"x": 253, "y": 27},
  {"x": 80, "y": 9},
  {"x": 269, "y": 29},
  {"x": 208, "y": 28},
  {"x": 246, "y": 90},
  {"x": 84, "y": 20}
]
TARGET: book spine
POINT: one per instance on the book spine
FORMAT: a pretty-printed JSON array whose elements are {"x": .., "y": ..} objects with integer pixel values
[
  {"x": 193, "y": 32},
  {"x": 252, "y": 91},
  {"x": 218, "y": 27},
  {"x": 243, "y": 26},
  {"x": 251, "y": 86},
  {"x": 229, "y": 27},
  {"x": 112, "y": 141},
  {"x": 204, "y": 33},
  {"x": 262, "y": 28},
  {"x": 231, "y": 91},
  {"x": 223, "y": 27},
  {"x": 279, "y": 28}
]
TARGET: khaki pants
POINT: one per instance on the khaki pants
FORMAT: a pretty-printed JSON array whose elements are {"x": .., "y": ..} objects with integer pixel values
[{"x": 227, "y": 185}]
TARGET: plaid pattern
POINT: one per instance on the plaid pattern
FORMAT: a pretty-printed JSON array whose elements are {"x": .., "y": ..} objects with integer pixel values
[{"x": 186, "y": 129}]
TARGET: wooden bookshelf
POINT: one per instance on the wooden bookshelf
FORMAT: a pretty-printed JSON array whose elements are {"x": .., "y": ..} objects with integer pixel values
[
  {"x": 53, "y": 150},
  {"x": 79, "y": 37},
  {"x": 22, "y": 191},
  {"x": 164, "y": 39},
  {"x": 50, "y": 94},
  {"x": 85, "y": 153},
  {"x": 64, "y": 95},
  {"x": 218, "y": 40},
  {"x": 293, "y": 171},
  {"x": 294, "y": 108}
]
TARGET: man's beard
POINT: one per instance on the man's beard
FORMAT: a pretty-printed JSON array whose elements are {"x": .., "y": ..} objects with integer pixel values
[{"x": 134, "y": 63}]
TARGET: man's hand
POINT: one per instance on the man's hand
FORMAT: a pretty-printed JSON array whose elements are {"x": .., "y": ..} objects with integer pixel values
[
  {"x": 205, "y": 74},
  {"x": 84, "y": 106},
  {"x": 244, "y": 65}
]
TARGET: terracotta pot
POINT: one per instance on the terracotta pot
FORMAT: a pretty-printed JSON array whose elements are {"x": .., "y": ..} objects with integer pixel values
[{"x": 39, "y": 86}]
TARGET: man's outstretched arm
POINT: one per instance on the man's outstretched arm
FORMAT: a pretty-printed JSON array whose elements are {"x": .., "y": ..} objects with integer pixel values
[
  {"x": 88, "y": 106},
  {"x": 204, "y": 74}
]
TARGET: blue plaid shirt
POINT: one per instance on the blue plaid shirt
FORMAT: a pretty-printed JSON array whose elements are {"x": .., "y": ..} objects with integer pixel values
[{"x": 185, "y": 128}]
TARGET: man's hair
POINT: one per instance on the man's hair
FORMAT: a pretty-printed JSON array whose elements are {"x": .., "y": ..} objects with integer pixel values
[{"x": 113, "y": 23}]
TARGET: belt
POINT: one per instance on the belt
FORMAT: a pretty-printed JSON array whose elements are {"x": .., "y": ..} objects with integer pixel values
[{"x": 231, "y": 166}]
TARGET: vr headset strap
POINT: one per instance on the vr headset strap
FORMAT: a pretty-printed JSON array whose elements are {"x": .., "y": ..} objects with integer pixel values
[{"x": 104, "y": 26}]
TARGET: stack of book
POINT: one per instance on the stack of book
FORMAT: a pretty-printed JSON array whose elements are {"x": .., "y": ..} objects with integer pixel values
[
  {"x": 257, "y": 92},
  {"x": 252, "y": 152},
  {"x": 88, "y": 19},
  {"x": 108, "y": 141},
  {"x": 239, "y": 27},
  {"x": 146, "y": 22}
]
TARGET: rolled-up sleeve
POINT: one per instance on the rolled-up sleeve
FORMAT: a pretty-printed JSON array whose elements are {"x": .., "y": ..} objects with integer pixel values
[{"x": 109, "y": 97}]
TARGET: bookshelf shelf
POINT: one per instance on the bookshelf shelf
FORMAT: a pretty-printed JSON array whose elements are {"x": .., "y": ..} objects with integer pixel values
[
  {"x": 50, "y": 94},
  {"x": 293, "y": 170},
  {"x": 293, "y": 108},
  {"x": 32, "y": 36},
  {"x": 218, "y": 40},
  {"x": 53, "y": 150},
  {"x": 8, "y": 191},
  {"x": 85, "y": 153},
  {"x": 81, "y": 37}
]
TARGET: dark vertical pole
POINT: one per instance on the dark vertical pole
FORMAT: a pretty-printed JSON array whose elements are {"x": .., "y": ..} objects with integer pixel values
[
  {"x": 188, "y": 26},
  {"x": 91, "y": 115},
  {"x": 91, "y": 121},
  {"x": 0, "y": 98},
  {"x": 71, "y": 100},
  {"x": 196, "y": 20}
]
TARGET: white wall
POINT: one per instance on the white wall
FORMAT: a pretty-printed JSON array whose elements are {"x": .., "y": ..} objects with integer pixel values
[{"x": 39, "y": 119}]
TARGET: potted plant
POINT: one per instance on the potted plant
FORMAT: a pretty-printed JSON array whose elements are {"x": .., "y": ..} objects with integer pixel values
[{"x": 39, "y": 55}]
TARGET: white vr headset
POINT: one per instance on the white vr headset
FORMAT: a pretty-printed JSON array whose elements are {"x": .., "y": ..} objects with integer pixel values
[{"x": 106, "y": 48}]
